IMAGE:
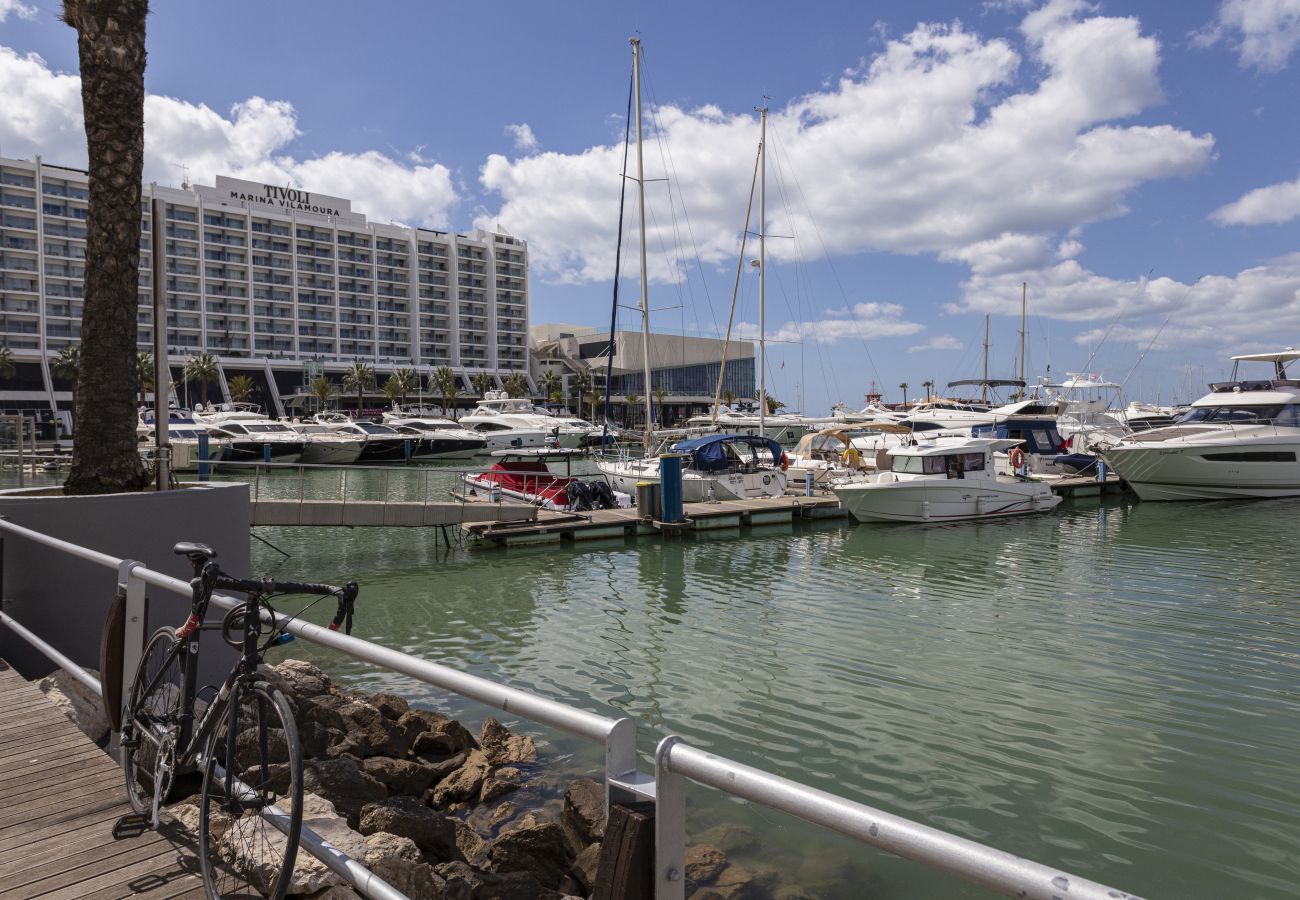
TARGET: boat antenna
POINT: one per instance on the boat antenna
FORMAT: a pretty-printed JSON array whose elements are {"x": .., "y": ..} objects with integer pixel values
[
  {"x": 735, "y": 290},
  {"x": 1024, "y": 297},
  {"x": 984, "y": 386},
  {"x": 618, "y": 258},
  {"x": 645, "y": 291}
]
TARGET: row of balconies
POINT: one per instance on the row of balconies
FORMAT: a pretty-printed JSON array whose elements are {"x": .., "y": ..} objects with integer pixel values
[
  {"x": 268, "y": 227},
  {"x": 220, "y": 237},
  {"x": 275, "y": 246},
  {"x": 10, "y": 178}
]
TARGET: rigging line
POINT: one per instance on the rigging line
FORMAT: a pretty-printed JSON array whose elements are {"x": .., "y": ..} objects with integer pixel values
[
  {"x": 670, "y": 165},
  {"x": 834, "y": 272},
  {"x": 1155, "y": 337},
  {"x": 618, "y": 259},
  {"x": 803, "y": 337},
  {"x": 1140, "y": 289},
  {"x": 735, "y": 291}
]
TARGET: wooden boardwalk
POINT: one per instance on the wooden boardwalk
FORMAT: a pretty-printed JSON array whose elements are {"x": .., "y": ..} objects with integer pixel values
[{"x": 59, "y": 798}]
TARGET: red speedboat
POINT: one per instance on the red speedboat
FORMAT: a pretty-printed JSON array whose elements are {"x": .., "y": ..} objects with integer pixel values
[{"x": 526, "y": 475}]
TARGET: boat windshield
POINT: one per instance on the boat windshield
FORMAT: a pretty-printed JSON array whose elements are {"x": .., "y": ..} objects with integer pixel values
[
  {"x": 1278, "y": 414},
  {"x": 371, "y": 428},
  {"x": 954, "y": 465},
  {"x": 268, "y": 428}
]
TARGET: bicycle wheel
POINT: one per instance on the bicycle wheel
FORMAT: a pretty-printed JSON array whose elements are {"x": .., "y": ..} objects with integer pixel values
[
  {"x": 153, "y": 719},
  {"x": 242, "y": 852}
]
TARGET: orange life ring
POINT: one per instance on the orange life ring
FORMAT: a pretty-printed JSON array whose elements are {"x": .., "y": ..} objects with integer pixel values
[
  {"x": 1017, "y": 457},
  {"x": 785, "y": 462}
]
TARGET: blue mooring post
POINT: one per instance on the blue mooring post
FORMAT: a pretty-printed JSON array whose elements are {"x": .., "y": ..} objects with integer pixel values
[
  {"x": 266, "y": 453},
  {"x": 1101, "y": 469},
  {"x": 203, "y": 456},
  {"x": 670, "y": 488},
  {"x": 406, "y": 449}
]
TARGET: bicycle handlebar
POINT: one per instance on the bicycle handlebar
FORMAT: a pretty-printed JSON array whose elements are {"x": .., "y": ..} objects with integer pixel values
[{"x": 211, "y": 577}]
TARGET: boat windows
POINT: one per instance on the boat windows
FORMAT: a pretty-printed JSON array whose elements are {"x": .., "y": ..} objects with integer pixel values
[
  {"x": 371, "y": 428},
  {"x": 236, "y": 428},
  {"x": 918, "y": 465},
  {"x": 1265, "y": 456},
  {"x": 269, "y": 428},
  {"x": 1240, "y": 414}
]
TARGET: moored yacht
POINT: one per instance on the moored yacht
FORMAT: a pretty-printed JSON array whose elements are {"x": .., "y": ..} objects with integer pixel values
[
  {"x": 439, "y": 438},
  {"x": 325, "y": 446},
  {"x": 946, "y": 480},
  {"x": 784, "y": 429},
  {"x": 253, "y": 437},
  {"x": 1240, "y": 440},
  {"x": 379, "y": 443},
  {"x": 719, "y": 467},
  {"x": 507, "y": 422},
  {"x": 185, "y": 436}
]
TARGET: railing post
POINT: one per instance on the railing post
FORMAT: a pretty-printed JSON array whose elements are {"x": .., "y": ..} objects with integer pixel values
[
  {"x": 670, "y": 826},
  {"x": 620, "y": 761},
  {"x": 135, "y": 623}
]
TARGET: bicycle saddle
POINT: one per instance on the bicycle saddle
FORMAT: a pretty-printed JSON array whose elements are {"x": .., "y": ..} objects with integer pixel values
[{"x": 194, "y": 551}]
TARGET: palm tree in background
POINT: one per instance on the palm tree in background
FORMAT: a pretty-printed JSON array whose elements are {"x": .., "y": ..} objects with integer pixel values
[
  {"x": 144, "y": 373},
  {"x": 580, "y": 383},
  {"x": 322, "y": 389},
  {"x": 111, "y": 54},
  {"x": 929, "y": 389},
  {"x": 409, "y": 379},
  {"x": 550, "y": 384},
  {"x": 660, "y": 392},
  {"x": 632, "y": 401},
  {"x": 728, "y": 397},
  {"x": 594, "y": 397},
  {"x": 393, "y": 388},
  {"x": 481, "y": 382},
  {"x": 773, "y": 405},
  {"x": 904, "y": 387},
  {"x": 65, "y": 367},
  {"x": 443, "y": 383},
  {"x": 7, "y": 366},
  {"x": 516, "y": 385},
  {"x": 202, "y": 367},
  {"x": 241, "y": 388},
  {"x": 360, "y": 377}
]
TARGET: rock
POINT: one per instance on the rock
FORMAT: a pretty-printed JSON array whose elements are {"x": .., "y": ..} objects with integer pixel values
[
  {"x": 299, "y": 680},
  {"x": 399, "y": 776},
  {"x": 365, "y": 731},
  {"x": 317, "y": 738},
  {"x": 500, "y": 782},
  {"x": 540, "y": 850},
  {"x": 392, "y": 706},
  {"x": 459, "y": 878},
  {"x": 583, "y": 813},
  {"x": 502, "y": 813},
  {"x": 704, "y": 862},
  {"x": 383, "y": 844},
  {"x": 436, "y": 734},
  {"x": 432, "y": 832},
  {"x": 342, "y": 782},
  {"x": 443, "y": 765},
  {"x": 248, "y": 751},
  {"x": 79, "y": 703},
  {"x": 417, "y": 880},
  {"x": 734, "y": 883},
  {"x": 729, "y": 838},
  {"x": 464, "y": 783},
  {"x": 187, "y": 814},
  {"x": 336, "y": 892},
  {"x": 501, "y": 747},
  {"x": 524, "y": 820},
  {"x": 257, "y": 860},
  {"x": 468, "y": 841},
  {"x": 584, "y": 868}
]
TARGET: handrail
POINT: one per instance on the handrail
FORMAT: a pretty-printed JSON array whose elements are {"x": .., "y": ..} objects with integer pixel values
[{"x": 675, "y": 763}]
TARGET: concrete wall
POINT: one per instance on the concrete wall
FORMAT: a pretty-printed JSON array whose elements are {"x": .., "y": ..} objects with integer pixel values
[{"x": 65, "y": 600}]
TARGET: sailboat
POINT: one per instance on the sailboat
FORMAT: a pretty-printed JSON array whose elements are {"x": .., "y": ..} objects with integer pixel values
[{"x": 720, "y": 466}]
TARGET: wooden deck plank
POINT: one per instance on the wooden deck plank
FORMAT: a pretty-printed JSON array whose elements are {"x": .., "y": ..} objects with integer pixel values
[{"x": 79, "y": 867}]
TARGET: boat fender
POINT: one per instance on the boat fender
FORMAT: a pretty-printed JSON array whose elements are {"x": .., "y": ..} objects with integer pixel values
[
  {"x": 785, "y": 462},
  {"x": 851, "y": 458},
  {"x": 767, "y": 479},
  {"x": 1017, "y": 457}
]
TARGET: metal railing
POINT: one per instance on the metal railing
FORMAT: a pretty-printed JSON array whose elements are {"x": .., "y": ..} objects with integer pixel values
[{"x": 676, "y": 762}]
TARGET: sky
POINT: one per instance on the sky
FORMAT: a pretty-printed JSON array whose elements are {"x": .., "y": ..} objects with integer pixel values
[{"x": 1136, "y": 165}]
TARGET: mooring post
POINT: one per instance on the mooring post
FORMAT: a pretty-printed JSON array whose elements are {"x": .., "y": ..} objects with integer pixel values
[
  {"x": 203, "y": 455},
  {"x": 670, "y": 490}
]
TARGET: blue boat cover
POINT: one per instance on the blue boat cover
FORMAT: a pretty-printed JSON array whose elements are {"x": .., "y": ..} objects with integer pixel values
[{"x": 709, "y": 454}]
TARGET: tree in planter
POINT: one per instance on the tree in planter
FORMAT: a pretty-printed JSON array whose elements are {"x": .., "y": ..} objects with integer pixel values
[
  {"x": 516, "y": 385},
  {"x": 443, "y": 383},
  {"x": 7, "y": 366},
  {"x": 111, "y": 54},
  {"x": 360, "y": 378},
  {"x": 203, "y": 368},
  {"x": 144, "y": 373},
  {"x": 481, "y": 382},
  {"x": 241, "y": 388},
  {"x": 66, "y": 367},
  {"x": 323, "y": 390}
]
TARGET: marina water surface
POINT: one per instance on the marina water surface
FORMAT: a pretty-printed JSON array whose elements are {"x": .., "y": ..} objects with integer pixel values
[{"x": 1108, "y": 688}]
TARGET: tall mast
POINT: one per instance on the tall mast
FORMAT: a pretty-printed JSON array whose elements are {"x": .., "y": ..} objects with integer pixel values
[
  {"x": 984, "y": 387},
  {"x": 1024, "y": 289},
  {"x": 645, "y": 292},
  {"x": 762, "y": 273}
]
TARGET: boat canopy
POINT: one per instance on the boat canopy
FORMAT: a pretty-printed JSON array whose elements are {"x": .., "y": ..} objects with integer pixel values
[
  {"x": 828, "y": 440},
  {"x": 710, "y": 454},
  {"x": 955, "y": 447}
]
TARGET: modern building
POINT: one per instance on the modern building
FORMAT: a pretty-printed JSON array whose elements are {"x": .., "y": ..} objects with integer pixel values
[
  {"x": 683, "y": 366},
  {"x": 278, "y": 283}
]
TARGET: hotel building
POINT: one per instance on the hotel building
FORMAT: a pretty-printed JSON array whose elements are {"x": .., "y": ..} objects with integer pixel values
[{"x": 277, "y": 283}]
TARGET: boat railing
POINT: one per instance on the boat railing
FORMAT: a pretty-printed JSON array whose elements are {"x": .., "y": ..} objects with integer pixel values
[{"x": 677, "y": 764}]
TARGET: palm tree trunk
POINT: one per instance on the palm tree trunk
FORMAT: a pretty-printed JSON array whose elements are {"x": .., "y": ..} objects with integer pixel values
[{"x": 111, "y": 49}]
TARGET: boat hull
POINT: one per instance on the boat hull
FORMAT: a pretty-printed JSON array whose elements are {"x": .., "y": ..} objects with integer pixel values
[
  {"x": 255, "y": 451},
  {"x": 330, "y": 453},
  {"x": 448, "y": 448},
  {"x": 1248, "y": 470},
  {"x": 943, "y": 501},
  {"x": 624, "y": 476}
]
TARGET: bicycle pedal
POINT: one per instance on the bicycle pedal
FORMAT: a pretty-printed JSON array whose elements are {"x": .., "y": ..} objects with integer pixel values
[{"x": 132, "y": 825}]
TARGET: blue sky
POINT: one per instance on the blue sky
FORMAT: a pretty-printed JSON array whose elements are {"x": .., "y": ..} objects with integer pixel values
[{"x": 1136, "y": 164}]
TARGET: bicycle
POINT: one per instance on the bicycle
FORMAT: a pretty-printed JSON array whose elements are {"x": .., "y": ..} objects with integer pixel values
[{"x": 251, "y": 759}]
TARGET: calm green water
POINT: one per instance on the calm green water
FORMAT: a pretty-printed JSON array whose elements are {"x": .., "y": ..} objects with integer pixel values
[{"x": 1112, "y": 689}]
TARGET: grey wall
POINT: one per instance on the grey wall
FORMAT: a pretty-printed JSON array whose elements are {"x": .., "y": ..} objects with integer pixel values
[{"x": 65, "y": 599}]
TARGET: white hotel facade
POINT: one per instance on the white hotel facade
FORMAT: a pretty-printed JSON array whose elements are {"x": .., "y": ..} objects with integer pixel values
[{"x": 275, "y": 282}]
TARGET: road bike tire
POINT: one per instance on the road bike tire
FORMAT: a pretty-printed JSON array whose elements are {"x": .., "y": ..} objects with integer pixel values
[
  {"x": 247, "y": 855},
  {"x": 163, "y": 707}
]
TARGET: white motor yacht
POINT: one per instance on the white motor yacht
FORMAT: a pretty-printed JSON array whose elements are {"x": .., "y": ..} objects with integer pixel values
[
  {"x": 379, "y": 443},
  {"x": 1240, "y": 440},
  {"x": 946, "y": 480},
  {"x": 184, "y": 436},
  {"x": 439, "y": 438},
  {"x": 784, "y": 429},
  {"x": 327, "y": 447},
  {"x": 507, "y": 423},
  {"x": 252, "y": 435}
]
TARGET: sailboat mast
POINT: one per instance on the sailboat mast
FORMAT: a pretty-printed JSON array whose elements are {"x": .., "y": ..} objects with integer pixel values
[
  {"x": 645, "y": 292},
  {"x": 984, "y": 388},
  {"x": 1024, "y": 293},
  {"x": 762, "y": 274}
]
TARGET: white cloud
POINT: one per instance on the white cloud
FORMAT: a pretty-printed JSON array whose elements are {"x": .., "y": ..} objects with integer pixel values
[
  {"x": 866, "y": 321},
  {"x": 523, "y": 137},
  {"x": 938, "y": 342},
  {"x": 1264, "y": 33},
  {"x": 42, "y": 115},
  {"x": 18, "y": 8},
  {"x": 1273, "y": 204},
  {"x": 944, "y": 142}
]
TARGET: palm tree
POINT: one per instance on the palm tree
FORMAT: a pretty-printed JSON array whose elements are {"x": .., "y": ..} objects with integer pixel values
[
  {"x": 481, "y": 382},
  {"x": 516, "y": 385},
  {"x": 728, "y": 397},
  {"x": 632, "y": 401},
  {"x": 773, "y": 405},
  {"x": 581, "y": 384},
  {"x": 594, "y": 397},
  {"x": 322, "y": 389},
  {"x": 7, "y": 367},
  {"x": 241, "y": 388},
  {"x": 111, "y": 53},
  {"x": 202, "y": 367},
  {"x": 393, "y": 388},
  {"x": 65, "y": 367},
  {"x": 360, "y": 378},
  {"x": 660, "y": 393},
  {"x": 409, "y": 379},
  {"x": 549, "y": 384},
  {"x": 904, "y": 387},
  {"x": 144, "y": 373},
  {"x": 929, "y": 389},
  {"x": 443, "y": 382}
]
